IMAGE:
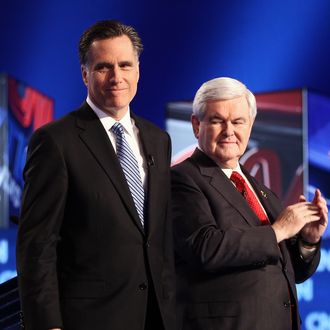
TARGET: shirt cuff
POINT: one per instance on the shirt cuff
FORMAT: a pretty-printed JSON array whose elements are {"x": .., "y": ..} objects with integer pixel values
[{"x": 307, "y": 253}]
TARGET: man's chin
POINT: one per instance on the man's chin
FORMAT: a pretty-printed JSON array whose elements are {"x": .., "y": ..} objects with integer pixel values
[{"x": 227, "y": 158}]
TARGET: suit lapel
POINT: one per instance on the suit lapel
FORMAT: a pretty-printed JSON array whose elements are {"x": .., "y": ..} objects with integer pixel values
[
  {"x": 95, "y": 138},
  {"x": 219, "y": 181},
  {"x": 149, "y": 149}
]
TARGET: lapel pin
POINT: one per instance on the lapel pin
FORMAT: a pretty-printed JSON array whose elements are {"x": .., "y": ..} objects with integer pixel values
[{"x": 263, "y": 194}]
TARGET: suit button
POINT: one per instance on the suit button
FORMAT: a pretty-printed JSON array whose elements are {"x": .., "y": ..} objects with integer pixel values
[
  {"x": 147, "y": 244},
  {"x": 143, "y": 286},
  {"x": 287, "y": 303}
]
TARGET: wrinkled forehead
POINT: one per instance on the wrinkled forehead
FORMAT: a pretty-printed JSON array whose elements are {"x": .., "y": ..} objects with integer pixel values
[
  {"x": 114, "y": 47},
  {"x": 237, "y": 106}
]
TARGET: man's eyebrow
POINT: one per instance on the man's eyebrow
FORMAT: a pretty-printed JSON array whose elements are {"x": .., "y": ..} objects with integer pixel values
[
  {"x": 109, "y": 65},
  {"x": 127, "y": 62},
  {"x": 216, "y": 116},
  {"x": 101, "y": 65}
]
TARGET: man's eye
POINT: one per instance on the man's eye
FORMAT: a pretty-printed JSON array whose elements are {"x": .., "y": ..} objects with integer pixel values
[
  {"x": 126, "y": 66},
  {"x": 216, "y": 121},
  {"x": 103, "y": 70}
]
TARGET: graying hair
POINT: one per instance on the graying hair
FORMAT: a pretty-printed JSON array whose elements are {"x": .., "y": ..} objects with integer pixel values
[{"x": 223, "y": 88}]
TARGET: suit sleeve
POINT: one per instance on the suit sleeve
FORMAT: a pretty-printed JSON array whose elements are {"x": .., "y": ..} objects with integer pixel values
[
  {"x": 209, "y": 241},
  {"x": 303, "y": 269},
  {"x": 40, "y": 221}
]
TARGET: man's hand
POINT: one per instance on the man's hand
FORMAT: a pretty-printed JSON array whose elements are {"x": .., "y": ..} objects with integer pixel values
[
  {"x": 313, "y": 231},
  {"x": 293, "y": 218}
]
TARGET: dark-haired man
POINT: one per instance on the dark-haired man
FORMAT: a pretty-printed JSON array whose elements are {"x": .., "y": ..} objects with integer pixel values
[{"x": 94, "y": 242}]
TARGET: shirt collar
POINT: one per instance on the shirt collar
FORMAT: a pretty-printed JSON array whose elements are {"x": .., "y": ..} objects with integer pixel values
[
  {"x": 229, "y": 171},
  {"x": 107, "y": 121}
]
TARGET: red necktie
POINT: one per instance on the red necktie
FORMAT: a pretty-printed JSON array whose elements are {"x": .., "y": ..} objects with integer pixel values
[{"x": 250, "y": 197}]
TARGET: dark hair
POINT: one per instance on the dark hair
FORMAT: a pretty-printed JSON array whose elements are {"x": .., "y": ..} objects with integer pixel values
[{"x": 106, "y": 30}]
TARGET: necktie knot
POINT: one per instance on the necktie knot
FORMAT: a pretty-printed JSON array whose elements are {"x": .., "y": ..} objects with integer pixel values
[{"x": 117, "y": 128}]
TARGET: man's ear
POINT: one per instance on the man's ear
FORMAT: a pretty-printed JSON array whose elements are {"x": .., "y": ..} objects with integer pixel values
[
  {"x": 84, "y": 74},
  {"x": 195, "y": 125}
]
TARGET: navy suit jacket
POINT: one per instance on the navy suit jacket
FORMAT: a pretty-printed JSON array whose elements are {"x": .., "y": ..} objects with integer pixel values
[
  {"x": 232, "y": 274},
  {"x": 83, "y": 259}
]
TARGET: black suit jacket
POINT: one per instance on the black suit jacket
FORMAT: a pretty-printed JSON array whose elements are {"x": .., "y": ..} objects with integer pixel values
[
  {"x": 232, "y": 274},
  {"x": 83, "y": 259}
]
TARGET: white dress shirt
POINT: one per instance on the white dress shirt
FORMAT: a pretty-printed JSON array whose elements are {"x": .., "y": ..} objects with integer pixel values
[{"x": 131, "y": 134}]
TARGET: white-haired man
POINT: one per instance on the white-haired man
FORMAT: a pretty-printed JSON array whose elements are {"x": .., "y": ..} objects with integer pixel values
[{"x": 239, "y": 254}]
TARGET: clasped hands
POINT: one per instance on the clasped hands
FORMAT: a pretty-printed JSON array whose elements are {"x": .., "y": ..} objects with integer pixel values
[{"x": 308, "y": 219}]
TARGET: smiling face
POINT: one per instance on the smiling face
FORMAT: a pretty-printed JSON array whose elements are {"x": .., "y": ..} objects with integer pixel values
[
  {"x": 224, "y": 131},
  {"x": 111, "y": 74}
]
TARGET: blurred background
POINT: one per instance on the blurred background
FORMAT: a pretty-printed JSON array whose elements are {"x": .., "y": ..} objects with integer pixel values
[{"x": 274, "y": 47}]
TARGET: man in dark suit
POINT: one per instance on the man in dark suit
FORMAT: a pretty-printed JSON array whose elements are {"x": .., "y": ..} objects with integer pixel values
[
  {"x": 94, "y": 247},
  {"x": 238, "y": 253}
]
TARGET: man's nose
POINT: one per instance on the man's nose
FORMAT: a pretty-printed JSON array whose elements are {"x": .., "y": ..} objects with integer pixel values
[
  {"x": 115, "y": 76},
  {"x": 228, "y": 129}
]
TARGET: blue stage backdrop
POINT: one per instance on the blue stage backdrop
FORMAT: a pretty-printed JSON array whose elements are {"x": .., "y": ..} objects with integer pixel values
[{"x": 268, "y": 45}]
